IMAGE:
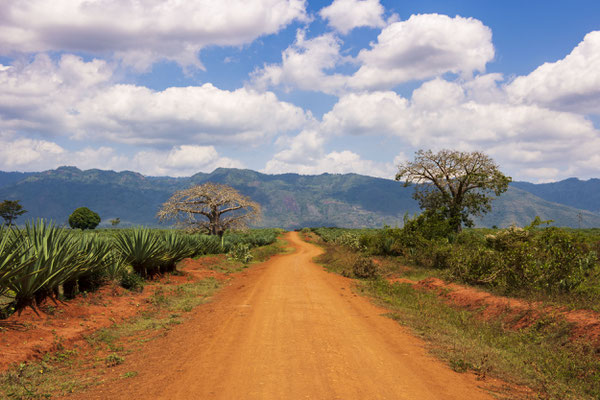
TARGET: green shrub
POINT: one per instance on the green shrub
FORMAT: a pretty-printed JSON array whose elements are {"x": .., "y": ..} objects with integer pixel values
[
  {"x": 550, "y": 260},
  {"x": 84, "y": 218},
  {"x": 131, "y": 281},
  {"x": 363, "y": 267},
  {"x": 240, "y": 252}
]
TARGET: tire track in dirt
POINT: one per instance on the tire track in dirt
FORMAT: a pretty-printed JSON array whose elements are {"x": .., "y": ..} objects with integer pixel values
[{"x": 286, "y": 329}]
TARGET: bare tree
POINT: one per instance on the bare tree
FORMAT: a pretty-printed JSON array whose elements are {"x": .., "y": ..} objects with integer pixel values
[
  {"x": 454, "y": 183},
  {"x": 203, "y": 207}
]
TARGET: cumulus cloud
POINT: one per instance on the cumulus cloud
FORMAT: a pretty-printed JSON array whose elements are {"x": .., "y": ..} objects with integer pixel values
[
  {"x": 304, "y": 65},
  {"x": 571, "y": 84},
  {"x": 424, "y": 46},
  {"x": 182, "y": 160},
  {"x": 141, "y": 32},
  {"x": 76, "y": 98},
  {"x": 24, "y": 154},
  {"x": 305, "y": 154},
  {"x": 442, "y": 114},
  {"x": 41, "y": 95},
  {"x": 345, "y": 15}
]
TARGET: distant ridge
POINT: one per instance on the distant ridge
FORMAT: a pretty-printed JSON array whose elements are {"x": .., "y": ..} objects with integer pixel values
[
  {"x": 572, "y": 192},
  {"x": 289, "y": 200}
]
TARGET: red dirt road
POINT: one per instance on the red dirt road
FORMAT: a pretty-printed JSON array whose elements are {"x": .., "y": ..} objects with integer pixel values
[{"x": 288, "y": 330}]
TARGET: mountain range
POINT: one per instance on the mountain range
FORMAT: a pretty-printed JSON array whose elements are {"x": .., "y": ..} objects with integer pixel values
[{"x": 289, "y": 200}]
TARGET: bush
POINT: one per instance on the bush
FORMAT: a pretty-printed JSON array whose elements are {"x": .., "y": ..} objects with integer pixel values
[
  {"x": 363, "y": 267},
  {"x": 240, "y": 252},
  {"x": 551, "y": 260},
  {"x": 84, "y": 218},
  {"x": 131, "y": 281}
]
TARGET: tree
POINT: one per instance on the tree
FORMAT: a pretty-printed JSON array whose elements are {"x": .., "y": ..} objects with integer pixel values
[
  {"x": 10, "y": 210},
  {"x": 115, "y": 222},
  {"x": 203, "y": 207},
  {"x": 453, "y": 183},
  {"x": 84, "y": 218}
]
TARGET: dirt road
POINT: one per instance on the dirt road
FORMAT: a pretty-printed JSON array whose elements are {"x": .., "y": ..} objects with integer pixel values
[{"x": 288, "y": 330}]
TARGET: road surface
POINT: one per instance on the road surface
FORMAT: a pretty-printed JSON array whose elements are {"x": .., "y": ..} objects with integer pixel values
[{"x": 288, "y": 330}]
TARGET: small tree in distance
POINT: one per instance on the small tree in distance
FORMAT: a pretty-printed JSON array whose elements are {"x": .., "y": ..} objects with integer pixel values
[
  {"x": 115, "y": 222},
  {"x": 84, "y": 218},
  {"x": 210, "y": 207},
  {"x": 453, "y": 183},
  {"x": 10, "y": 210}
]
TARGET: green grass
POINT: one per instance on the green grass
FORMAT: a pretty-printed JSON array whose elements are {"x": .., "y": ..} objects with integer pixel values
[
  {"x": 541, "y": 356},
  {"x": 263, "y": 253}
]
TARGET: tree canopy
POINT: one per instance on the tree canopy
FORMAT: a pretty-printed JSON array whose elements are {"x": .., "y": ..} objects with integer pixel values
[
  {"x": 453, "y": 183},
  {"x": 210, "y": 207},
  {"x": 10, "y": 210},
  {"x": 84, "y": 218}
]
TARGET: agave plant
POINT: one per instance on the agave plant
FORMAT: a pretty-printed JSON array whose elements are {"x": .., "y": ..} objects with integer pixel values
[
  {"x": 142, "y": 249},
  {"x": 114, "y": 266},
  {"x": 205, "y": 244},
  {"x": 12, "y": 262},
  {"x": 177, "y": 247},
  {"x": 52, "y": 258},
  {"x": 94, "y": 252}
]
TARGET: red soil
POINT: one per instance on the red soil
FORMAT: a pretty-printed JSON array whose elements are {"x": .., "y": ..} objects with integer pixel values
[
  {"x": 515, "y": 313},
  {"x": 286, "y": 329},
  {"x": 28, "y": 336}
]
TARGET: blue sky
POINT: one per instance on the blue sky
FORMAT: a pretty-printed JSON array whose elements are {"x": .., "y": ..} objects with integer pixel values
[{"x": 174, "y": 88}]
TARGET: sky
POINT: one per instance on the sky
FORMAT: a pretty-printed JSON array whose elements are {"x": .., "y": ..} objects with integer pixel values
[{"x": 178, "y": 87}]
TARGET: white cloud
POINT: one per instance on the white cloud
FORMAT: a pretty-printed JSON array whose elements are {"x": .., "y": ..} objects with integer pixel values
[
  {"x": 522, "y": 138},
  {"x": 42, "y": 94},
  {"x": 376, "y": 113},
  {"x": 182, "y": 160},
  {"x": 424, "y": 46},
  {"x": 23, "y": 153},
  {"x": 77, "y": 99},
  {"x": 571, "y": 84},
  {"x": 305, "y": 154},
  {"x": 421, "y": 47},
  {"x": 37, "y": 155},
  {"x": 141, "y": 32},
  {"x": 200, "y": 114},
  {"x": 304, "y": 66},
  {"x": 345, "y": 15}
]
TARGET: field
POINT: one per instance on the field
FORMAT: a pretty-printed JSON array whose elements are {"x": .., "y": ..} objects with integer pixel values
[{"x": 44, "y": 261}]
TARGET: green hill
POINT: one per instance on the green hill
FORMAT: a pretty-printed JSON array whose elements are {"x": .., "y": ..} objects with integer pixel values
[
  {"x": 288, "y": 200},
  {"x": 571, "y": 192}
]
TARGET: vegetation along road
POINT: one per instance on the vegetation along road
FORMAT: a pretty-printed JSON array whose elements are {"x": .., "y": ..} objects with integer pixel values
[{"x": 289, "y": 330}]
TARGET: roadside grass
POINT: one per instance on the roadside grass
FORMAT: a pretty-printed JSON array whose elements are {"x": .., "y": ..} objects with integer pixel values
[
  {"x": 397, "y": 267},
  {"x": 263, "y": 253},
  {"x": 542, "y": 356},
  {"x": 336, "y": 259},
  {"x": 259, "y": 254}
]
